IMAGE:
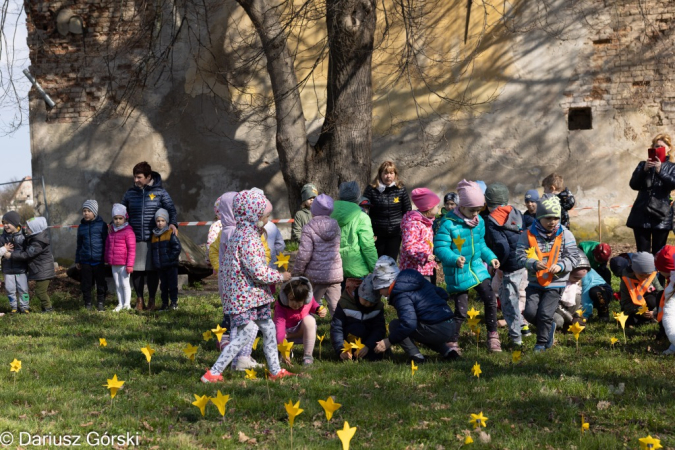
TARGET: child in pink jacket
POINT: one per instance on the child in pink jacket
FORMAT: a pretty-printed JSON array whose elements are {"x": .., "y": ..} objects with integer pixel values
[
  {"x": 318, "y": 256},
  {"x": 293, "y": 316},
  {"x": 417, "y": 246},
  {"x": 120, "y": 253}
]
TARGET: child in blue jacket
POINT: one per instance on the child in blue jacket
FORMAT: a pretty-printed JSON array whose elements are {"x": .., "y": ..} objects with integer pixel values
[
  {"x": 460, "y": 245},
  {"x": 91, "y": 236},
  {"x": 165, "y": 249}
]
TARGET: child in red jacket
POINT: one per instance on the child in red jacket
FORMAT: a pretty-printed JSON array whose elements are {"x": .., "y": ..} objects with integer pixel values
[{"x": 120, "y": 253}]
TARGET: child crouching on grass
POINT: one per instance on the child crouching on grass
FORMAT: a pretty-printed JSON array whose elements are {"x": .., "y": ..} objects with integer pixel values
[
  {"x": 246, "y": 293},
  {"x": 640, "y": 288},
  {"x": 293, "y": 316},
  {"x": 665, "y": 313}
]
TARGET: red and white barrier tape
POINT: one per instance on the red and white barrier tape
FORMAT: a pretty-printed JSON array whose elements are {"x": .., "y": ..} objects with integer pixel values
[{"x": 183, "y": 224}]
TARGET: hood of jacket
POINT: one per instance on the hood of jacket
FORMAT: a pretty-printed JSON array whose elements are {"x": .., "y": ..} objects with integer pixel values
[
  {"x": 248, "y": 207},
  {"x": 284, "y": 299},
  {"x": 344, "y": 212},
  {"x": 226, "y": 213},
  {"x": 324, "y": 227},
  {"x": 37, "y": 225},
  {"x": 417, "y": 216},
  {"x": 508, "y": 217}
]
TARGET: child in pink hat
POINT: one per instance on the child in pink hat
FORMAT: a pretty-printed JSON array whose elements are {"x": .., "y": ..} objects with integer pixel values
[{"x": 417, "y": 247}]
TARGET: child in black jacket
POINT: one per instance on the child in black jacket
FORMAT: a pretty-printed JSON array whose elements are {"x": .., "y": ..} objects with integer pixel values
[
  {"x": 362, "y": 316},
  {"x": 165, "y": 249}
]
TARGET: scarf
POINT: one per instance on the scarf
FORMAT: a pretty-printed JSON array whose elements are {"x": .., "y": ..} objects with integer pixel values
[
  {"x": 469, "y": 222},
  {"x": 548, "y": 235},
  {"x": 121, "y": 227},
  {"x": 160, "y": 231},
  {"x": 381, "y": 186}
]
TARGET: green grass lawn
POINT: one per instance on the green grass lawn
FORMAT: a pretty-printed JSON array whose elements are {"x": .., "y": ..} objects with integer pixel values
[{"x": 537, "y": 403}]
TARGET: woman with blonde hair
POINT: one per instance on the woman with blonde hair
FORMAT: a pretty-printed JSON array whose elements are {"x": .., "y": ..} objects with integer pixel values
[
  {"x": 389, "y": 201},
  {"x": 651, "y": 216}
]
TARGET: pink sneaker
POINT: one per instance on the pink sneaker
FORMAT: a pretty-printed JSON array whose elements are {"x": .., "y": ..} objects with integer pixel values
[
  {"x": 208, "y": 377},
  {"x": 283, "y": 373},
  {"x": 493, "y": 343}
]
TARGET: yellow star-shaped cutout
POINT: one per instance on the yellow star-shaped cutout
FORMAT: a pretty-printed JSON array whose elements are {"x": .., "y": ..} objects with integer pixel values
[
  {"x": 114, "y": 385},
  {"x": 613, "y": 340},
  {"x": 357, "y": 345},
  {"x": 532, "y": 253},
  {"x": 397, "y": 200},
  {"x": 220, "y": 401},
  {"x": 473, "y": 322},
  {"x": 285, "y": 348},
  {"x": 621, "y": 318},
  {"x": 190, "y": 352},
  {"x": 102, "y": 342},
  {"x": 478, "y": 420},
  {"x": 584, "y": 425},
  {"x": 649, "y": 443},
  {"x": 148, "y": 352},
  {"x": 476, "y": 370},
  {"x": 468, "y": 440},
  {"x": 346, "y": 434},
  {"x": 15, "y": 365},
  {"x": 329, "y": 406},
  {"x": 346, "y": 347},
  {"x": 219, "y": 331},
  {"x": 575, "y": 329},
  {"x": 251, "y": 374},
  {"x": 201, "y": 402},
  {"x": 459, "y": 242},
  {"x": 282, "y": 261},
  {"x": 293, "y": 411},
  {"x": 643, "y": 309},
  {"x": 208, "y": 335},
  {"x": 152, "y": 196},
  {"x": 321, "y": 338},
  {"x": 472, "y": 312}
]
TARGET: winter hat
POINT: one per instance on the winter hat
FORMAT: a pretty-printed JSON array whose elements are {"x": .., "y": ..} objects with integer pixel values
[
  {"x": 350, "y": 191},
  {"x": 481, "y": 184},
  {"x": 602, "y": 253},
  {"x": 663, "y": 261},
  {"x": 618, "y": 264},
  {"x": 497, "y": 194},
  {"x": 119, "y": 210},
  {"x": 308, "y": 191},
  {"x": 548, "y": 207},
  {"x": 470, "y": 194},
  {"x": 532, "y": 195},
  {"x": 451, "y": 197},
  {"x": 424, "y": 199},
  {"x": 12, "y": 218},
  {"x": 268, "y": 207},
  {"x": 91, "y": 205},
  {"x": 364, "y": 201},
  {"x": 322, "y": 205},
  {"x": 37, "y": 225},
  {"x": 161, "y": 212},
  {"x": 385, "y": 272},
  {"x": 583, "y": 262},
  {"x": 367, "y": 292},
  {"x": 642, "y": 262}
]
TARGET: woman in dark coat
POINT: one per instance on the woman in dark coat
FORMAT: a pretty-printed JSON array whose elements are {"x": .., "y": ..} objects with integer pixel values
[
  {"x": 389, "y": 201},
  {"x": 651, "y": 216}
]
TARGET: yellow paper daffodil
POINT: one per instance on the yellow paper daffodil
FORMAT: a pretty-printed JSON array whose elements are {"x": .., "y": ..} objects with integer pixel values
[
  {"x": 190, "y": 352},
  {"x": 478, "y": 420},
  {"x": 357, "y": 345},
  {"x": 148, "y": 352},
  {"x": 531, "y": 253},
  {"x": 580, "y": 312},
  {"x": 473, "y": 322},
  {"x": 575, "y": 329},
  {"x": 459, "y": 242},
  {"x": 643, "y": 309},
  {"x": 220, "y": 401},
  {"x": 15, "y": 366},
  {"x": 208, "y": 335},
  {"x": 282, "y": 261},
  {"x": 413, "y": 367},
  {"x": 468, "y": 440},
  {"x": 114, "y": 385},
  {"x": 251, "y": 374},
  {"x": 476, "y": 370},
  {"x": 285, "y": 348},
  {"x": 255, "y": 343},
  {"x": 293, "y": 411},
  {"x": 621, "y": 318},
  {"x": 346, "y": 434},
  {"x": 472, "y": 312},
  {"x": 515, "y": 356},
  {"x": 329, "y": 406},
  {"x": 346, "y": 347},
  {"x": 102, "y": 342},
  {"x": 613, "y": 341},
  {"x": 649, "y": 443},
  {"x": 584, "y": 425},
  {"x": 201, "y": 402},
  {"x": 322, "y": 337},
  {"x": 219, "y": 331}
]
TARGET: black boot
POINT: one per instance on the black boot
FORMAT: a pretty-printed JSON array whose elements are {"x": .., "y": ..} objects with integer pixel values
[
  {"x": 100, "y": 306},
  {"x": 88, "y": 306}
]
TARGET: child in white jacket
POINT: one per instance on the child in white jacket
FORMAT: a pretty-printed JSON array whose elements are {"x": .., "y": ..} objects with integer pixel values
[{"x": 665, "y": 312}]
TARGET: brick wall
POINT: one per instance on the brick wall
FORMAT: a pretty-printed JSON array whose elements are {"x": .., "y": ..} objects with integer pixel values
[{"x": 86, "y": 73}]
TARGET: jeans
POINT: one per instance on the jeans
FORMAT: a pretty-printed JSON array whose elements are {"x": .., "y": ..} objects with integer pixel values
[
  {"x": 138, "y": 280},
  {"x": 540, "y": 308},
  {"x": 121, "y": 278},
  {"x": 485, "y": 293},
  {"x": 509, "y": 295},
  {"x": 433, "y": 336},
  {"x": 388, "y": 245},
  {"x": 169, "y": 278},
  {"x": 93, "y": 275},
  {"x": 17, "y": 284},
  {"x": 42, "y": 294}
]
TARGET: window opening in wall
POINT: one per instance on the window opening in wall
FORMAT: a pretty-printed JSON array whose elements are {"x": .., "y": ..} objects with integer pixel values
[{"x": 580, "y": 119}]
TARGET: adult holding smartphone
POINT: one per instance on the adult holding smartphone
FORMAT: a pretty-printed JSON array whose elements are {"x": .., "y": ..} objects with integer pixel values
[{"x": 651, "y": 216}]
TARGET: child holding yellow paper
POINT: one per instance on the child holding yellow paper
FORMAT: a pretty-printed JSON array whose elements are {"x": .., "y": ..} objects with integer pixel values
[{"x": 460, "y": 246}]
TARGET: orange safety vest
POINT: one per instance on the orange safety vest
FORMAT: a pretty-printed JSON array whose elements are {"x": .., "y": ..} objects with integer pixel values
[
  {"x": 638, "y": 290},
  {"x": 662, "y": 303},
  {"x": 544, "y": 277}
]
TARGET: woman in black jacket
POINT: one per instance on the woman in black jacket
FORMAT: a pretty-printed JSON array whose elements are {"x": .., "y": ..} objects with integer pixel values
[
  {"x": 389, "y": 201},
  {"x": 651, "y": 216}
]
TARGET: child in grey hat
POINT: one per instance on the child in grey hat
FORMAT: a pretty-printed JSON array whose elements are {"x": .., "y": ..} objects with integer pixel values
[
  {"x": 304, "y": 215},
  {"x": 165, "y": 249},
  {"x": 640, "y": 287}
]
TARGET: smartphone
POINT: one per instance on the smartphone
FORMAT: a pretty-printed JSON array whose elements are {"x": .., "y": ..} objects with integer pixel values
[{"x": 651, "y": 152}]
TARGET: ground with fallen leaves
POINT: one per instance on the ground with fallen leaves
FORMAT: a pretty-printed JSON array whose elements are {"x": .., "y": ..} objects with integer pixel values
[{"x": 624, "y": 393}]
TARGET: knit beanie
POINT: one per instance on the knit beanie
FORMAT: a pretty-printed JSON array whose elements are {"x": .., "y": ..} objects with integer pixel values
[
  {"x": 663, "y": 261},
  {"x": 161, "y": 212},
  {"x": 642, "y": 262},
  {"x": 549, "y": 206},
  {"x": 350, "y": 191},
  {"x": 322, "y": 205},
  {"x": 367, "y": 291},
  {"x": 385, "y": 272},
  {"x": 364, "y": 201},
  {"x": 308, "y": 191},
  {"x": 602, "y": 253},
  {"x": 470, "y": 194},
  {"x": 119, "y": 210},
  {"x": 12, "y": 218},
  {"x": 451, "y": 197},
  {"x": 532, "y": 195},
  {"x": 91, "y": 205},
  {"x": 583, "y": 262},
  {"x": 618, "y": 264},
  {"x": 497, "y": 194},
  {"x": 424, "y": 199}
]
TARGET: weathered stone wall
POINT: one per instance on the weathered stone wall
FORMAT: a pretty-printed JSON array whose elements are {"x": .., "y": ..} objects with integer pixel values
[{"x": 613, "y": 57}]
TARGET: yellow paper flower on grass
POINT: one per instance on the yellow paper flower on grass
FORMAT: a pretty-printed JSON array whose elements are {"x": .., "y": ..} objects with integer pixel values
[
  {"x": 321, "y": 338},
  {"x": 293, "y": 411},
  {"x": 15, "y": 366},
  {"x": 190, "y": 352},
  {"x": 251, "y": 374},
  {"x": 643, "y": 309},
  {"x": 649, "y": 443},
  {"x": 621, "y": 318},
  {"x": 220, "y": 401},
  {"x": 532, "y": 253},
  {"x": 148, "y": 352},
  {"x": 102, "y": 342},
  {"x": 476, "y": 370},
  {"x": 478, "y": 420},
  {"x": 285, "y": 348},
  {"x": 472, "y": 313},
  {"x": 515, "y": 356},
  {"x": 473, "y": 322},
  {"x": 413, "y": 367},
  {"x": 282, "y": 261},
  {"x": 255, "y": 343},
  {"x": 613, "y": 341},
  {"x": 468, "y": 440},
  {"x": 219, "y": 331},
  {"x": 114, "y": 385},
  {"x": 208, "y": 335},
  {"x": 575, "y": 329},
  {"x": 346, "y": 434},
  {"x": 201, "y": 402},
  {"x": 584, "y": 425},
  {"x": 329, "y": 406},
  {"x": 347, "y": 347}
]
